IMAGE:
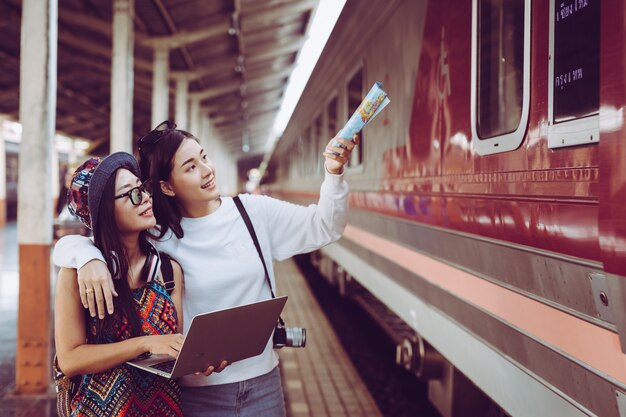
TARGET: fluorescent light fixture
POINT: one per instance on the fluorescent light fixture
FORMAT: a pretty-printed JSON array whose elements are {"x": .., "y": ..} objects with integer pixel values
[{"x": 324, "y": 20}]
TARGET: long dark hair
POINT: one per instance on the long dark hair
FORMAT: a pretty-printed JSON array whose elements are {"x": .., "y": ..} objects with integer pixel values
[
  {"x": 157, "y": 161},
  {"x": 106, "y": 237}
]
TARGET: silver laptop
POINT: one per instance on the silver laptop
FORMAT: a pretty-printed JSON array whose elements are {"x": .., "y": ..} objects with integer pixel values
[{"x": 231, "y": 334}]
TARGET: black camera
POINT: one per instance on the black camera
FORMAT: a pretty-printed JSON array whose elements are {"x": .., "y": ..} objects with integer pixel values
[{"x": 289, "y": 336}]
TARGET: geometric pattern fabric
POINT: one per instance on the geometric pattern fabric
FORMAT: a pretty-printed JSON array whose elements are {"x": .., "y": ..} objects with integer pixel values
[{"x": 126, "y": 390}]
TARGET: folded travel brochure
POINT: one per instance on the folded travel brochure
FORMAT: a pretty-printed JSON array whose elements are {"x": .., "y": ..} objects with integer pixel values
[{"x": 375, "y": 100}]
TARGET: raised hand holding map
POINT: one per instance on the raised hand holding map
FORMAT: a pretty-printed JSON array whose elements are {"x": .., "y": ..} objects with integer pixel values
[{"x": 375, "y": 100}]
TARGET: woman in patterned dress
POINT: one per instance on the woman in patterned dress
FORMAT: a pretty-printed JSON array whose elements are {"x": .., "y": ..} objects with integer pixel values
[{"x": 108, "y": 196}]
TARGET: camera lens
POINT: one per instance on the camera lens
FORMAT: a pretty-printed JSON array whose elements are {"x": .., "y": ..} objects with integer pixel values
[{"x": 296, "y": 336}]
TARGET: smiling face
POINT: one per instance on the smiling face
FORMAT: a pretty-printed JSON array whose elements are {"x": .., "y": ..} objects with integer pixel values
[
  {"x": 192, "y": 179},
  {"x": 131, "y": 218}
]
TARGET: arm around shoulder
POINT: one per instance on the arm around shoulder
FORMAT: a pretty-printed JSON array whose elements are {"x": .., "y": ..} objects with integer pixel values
[{"x": 74, "y": 251}]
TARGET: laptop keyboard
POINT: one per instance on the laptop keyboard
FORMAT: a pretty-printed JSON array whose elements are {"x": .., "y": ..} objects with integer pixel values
[{"x": 166, "y": 366}]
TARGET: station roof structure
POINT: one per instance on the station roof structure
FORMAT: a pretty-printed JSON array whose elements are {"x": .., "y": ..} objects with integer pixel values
[{"x": 236, "y": 54}]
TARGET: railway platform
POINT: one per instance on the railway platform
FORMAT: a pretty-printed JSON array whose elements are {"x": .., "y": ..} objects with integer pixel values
[{"x": 318, "y": 380}]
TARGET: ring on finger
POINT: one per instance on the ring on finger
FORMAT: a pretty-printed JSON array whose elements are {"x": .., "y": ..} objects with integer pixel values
[{"x": 89, "y": 291}]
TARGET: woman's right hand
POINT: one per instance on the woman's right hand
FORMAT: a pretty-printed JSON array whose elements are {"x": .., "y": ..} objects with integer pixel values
[
  {"x": 96, "y": 288},
  {"x": 164, "y": 344}
]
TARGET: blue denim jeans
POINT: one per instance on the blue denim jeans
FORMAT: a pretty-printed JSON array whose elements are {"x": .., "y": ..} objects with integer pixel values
[{"x": 256, "y": 397}]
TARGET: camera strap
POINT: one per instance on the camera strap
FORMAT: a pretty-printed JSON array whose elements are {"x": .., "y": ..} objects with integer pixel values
[{"x": 250, "y": 227}]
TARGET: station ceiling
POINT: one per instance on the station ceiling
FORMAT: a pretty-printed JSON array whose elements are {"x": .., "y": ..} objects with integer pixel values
[{"x": 238, "y": 55}]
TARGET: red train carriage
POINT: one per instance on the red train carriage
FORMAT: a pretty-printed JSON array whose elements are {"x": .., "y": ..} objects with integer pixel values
[{"x": 487, "y": 200}]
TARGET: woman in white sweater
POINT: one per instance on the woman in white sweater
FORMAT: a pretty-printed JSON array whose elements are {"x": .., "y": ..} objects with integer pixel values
[{"x": 205, "y": 233}]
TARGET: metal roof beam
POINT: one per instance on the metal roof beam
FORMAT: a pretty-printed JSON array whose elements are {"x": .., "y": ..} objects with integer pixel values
[
  {"x": 90, "y": 22},
  {"x": 229, "y": 119},
  {"x": 271, "y": 50},
  {"x": 276, "y": 76},
  {"x": 183, "y": 38},
  {"x": 264, "y": 16},
  {"x": 251, "y": 94},
  {"x": 254, "y": 104},
  {"x": 104, "y": 70},
  {"x": 85, "y": 21},
  {"x": 253, "y": 132},
  {"x": 235, "y": 85},
  {"x": 261, "y": 121},
  {"x": 98, "y": 49},
  {"x": 227, "y": 65},
  {"x": 215, "y": 91}
]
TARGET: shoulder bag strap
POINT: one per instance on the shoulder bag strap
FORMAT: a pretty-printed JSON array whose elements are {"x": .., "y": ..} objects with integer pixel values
[{"x": 246, "y": 220}]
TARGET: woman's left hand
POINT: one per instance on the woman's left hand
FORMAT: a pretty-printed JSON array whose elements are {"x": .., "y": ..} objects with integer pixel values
[{"x": 334, "y": 163}]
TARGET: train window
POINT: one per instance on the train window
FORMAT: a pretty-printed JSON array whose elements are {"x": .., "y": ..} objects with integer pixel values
[
  {"x": 355, "y": 96},
  {"x": 500, "y": 74},
  {"x": 331, "y": 112},
  {"x": 296, "y": 163},
  {"x": 332, "y": 118},
  {"x": 303, "y": 150},
  {"x": 574, "y": 73},
  {"x": 319, "y": 142},
  {"x": 308, "y": 148}
]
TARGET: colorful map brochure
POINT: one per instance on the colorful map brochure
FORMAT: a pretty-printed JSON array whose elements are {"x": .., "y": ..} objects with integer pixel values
[{"x": 372, "y": 104}]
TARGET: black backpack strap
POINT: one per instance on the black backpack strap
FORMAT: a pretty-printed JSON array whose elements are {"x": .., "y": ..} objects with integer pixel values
[
  {"x": 167, "y": 272},
  {"x": 151, "y": 268}
]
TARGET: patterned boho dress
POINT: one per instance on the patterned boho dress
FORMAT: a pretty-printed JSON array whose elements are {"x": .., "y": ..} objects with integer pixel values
[{"x": 126, "y": 390}]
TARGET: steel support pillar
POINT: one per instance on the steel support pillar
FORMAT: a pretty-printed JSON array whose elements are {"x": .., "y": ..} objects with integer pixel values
[
  {"x": 34, "y": 226},
  {"x": 122, "y": 77},
  {"x": 160, "y": 86},
  {"x": 182, "y": 103},
  {"x": 194, "y": 117}
]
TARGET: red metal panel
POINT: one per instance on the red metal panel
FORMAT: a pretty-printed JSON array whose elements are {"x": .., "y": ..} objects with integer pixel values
[
  {"x": 552, "y": 193},
  {"x": 612, "y": 217},
  {"x": 550, "y": 225}
]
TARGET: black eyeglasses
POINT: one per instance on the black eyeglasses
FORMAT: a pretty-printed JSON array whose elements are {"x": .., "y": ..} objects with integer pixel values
[
  {"x": 136, "y": 193},
  {"x": 156, "y": 134}
]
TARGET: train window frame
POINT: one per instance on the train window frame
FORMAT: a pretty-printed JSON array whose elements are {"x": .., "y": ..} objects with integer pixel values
[
  {"x": 507, "y": 141},
  {"x": 307, "y": 147},
  {"x": 320, "y": 145},
  {"x": 582, "y": 130},
  {"x": 360, "y": 166},
  {"x": 331, "y": 133},
  {"x": 300, "y": 150}
]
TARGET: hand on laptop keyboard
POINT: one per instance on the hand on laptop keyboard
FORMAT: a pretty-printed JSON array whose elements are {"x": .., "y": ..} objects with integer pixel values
[{"x": 164, "y": 344}]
